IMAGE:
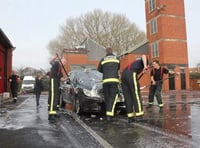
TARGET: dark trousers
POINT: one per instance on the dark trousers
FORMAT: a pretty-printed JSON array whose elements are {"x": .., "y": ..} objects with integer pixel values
[
  {"x": 131, "y": 91},
  {"x": 54, "y": 96},
  {"x": 37, "y": 99},
  {"x": 155, "y": 90},
  {"x": 110, "y": 91},
  {"x": 14, "y": 90}
]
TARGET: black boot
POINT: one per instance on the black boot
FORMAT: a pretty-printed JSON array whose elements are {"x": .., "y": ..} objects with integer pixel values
[
  {"x": 131, "y": 119},
  {"x": 140, "y": 119},
  {"x": 161, "y": 109},
  {"x": 149, "y": 106},
  {"x": 52, "y": 118},
  {"x": 110, "y": 118},
  {"x": 15, "y": 99}
]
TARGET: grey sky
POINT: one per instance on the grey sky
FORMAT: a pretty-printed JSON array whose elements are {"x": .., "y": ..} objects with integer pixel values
[{"x": 31, "y": 24}]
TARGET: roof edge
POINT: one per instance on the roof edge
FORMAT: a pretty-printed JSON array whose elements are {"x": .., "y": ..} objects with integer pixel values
[{"x": 135, "y": 47}]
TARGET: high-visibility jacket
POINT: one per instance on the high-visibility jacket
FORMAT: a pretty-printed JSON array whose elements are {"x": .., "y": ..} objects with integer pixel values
[
  {"x": 56, "y": 70},
  {"x": 109, "y": 66}
]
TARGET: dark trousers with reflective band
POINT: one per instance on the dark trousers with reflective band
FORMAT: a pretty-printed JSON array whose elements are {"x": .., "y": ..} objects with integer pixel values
[
  {"x": 110, "y": 91},
  {"x": 54, "y": 96},
  {"x": 131, "y": 91},
  {"x": 155, "y": 90}
]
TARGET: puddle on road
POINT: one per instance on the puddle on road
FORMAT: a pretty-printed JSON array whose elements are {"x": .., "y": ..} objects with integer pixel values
[
  {"x": 119, "y": 134},
  {"x": 177, "y": 125}
]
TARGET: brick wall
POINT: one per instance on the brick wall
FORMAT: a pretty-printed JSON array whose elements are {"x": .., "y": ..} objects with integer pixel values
[
  {"x": 170, "y": 36},
  {"x": 194, "y": 84}
]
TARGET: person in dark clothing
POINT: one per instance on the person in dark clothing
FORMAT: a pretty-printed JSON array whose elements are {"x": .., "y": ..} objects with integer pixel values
[
  {"x": 109, "y": 66},
  {"x": 38, "y": 87},
  {"x": 54, "y": 91},
  {"x": 14, "y": 80},
  {"x": 131, "y": 87},
  {"x": 156, "y": 83}
]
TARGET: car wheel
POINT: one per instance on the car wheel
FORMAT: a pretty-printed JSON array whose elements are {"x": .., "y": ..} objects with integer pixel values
[{"x": 103, "y": 109}]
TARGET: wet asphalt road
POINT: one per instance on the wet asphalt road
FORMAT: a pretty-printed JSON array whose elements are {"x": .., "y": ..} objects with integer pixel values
[
  {"x": 23, "y": 126},
  {"x": 176, "y": 126}
]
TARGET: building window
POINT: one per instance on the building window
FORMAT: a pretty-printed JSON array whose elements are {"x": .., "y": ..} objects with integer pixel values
[
  {"x": 155, "y": 52},
  {"x": 152, "y": 5},
  {"x": 182, "y": 69},
  {"x": 153, "y": 26}
]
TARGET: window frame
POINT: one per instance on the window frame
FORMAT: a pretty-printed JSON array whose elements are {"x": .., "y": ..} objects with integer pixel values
[
  {"x": 155, "y": 49},
  {"x": 153, "y": 26},
  {"x": 152, "y": 5}
]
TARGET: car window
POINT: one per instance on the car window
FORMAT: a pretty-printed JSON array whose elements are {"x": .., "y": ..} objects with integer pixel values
[
  {"x": 86, "y": 78},
  {"x": 28, "y": 81}
]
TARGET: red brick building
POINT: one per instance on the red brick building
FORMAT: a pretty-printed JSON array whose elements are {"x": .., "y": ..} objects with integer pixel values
[
  {"x": 6, "y": 49},
  {"x": 78, "y": 58},
  {"x": 166, "y": 33},
  {"x": 194, "y": 81},
  {"x": 166, "y": 41},
  {"x": 86, "y": 55}
]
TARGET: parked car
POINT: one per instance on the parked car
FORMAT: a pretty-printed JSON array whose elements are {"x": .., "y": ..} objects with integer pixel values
[{"x": 84, "y": 90}]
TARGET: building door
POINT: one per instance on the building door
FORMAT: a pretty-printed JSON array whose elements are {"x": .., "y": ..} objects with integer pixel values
[
  {"x": 183, "y": 79},
  {"x": 171, "y": 82},
  {"x": 183, "y": 82},
  {"x": 2, "y": 79}
]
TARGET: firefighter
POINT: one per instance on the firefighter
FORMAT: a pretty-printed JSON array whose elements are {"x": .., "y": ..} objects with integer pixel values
[
  {"x": 131, "y": 87},
  {"x": 55, "y": 75},
  {"x": 14, "y": 80},
  {"x": 109, "y": 66},
  {"x": 156, "y": 83}
]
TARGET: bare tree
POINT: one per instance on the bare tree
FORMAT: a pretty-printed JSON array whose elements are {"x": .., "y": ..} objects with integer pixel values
[{"x": 107, "y": 29}]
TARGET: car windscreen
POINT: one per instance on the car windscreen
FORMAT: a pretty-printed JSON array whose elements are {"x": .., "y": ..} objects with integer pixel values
[
  {"x": 28, "y": 81},
  {"x": 87, "y": 79}
]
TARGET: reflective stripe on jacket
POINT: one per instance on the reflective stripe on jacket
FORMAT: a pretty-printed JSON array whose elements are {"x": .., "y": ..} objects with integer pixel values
[{"x": 109, "y": 66}]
